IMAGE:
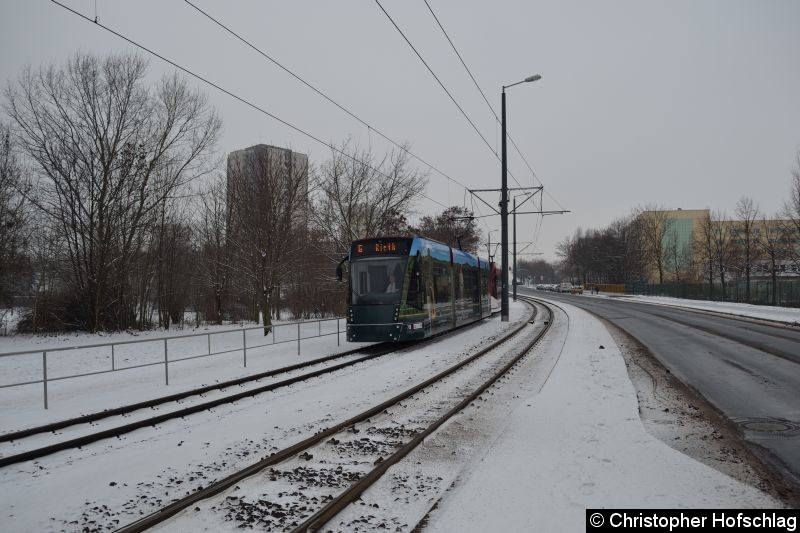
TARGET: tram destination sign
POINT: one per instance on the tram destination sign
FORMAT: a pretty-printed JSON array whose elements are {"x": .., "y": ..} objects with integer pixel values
[{"x": 398, "y": 246}]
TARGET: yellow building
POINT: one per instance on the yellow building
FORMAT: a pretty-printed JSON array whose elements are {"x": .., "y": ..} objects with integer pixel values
[
  {"x": 677, "y": 230},
  {"x": 683, "y": 254}
]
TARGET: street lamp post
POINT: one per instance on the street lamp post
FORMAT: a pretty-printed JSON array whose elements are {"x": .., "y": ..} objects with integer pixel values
[{"x": 504, "y": 202}]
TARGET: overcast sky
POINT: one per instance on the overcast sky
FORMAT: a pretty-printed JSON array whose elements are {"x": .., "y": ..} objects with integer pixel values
[{"x": 689, "y": 104}]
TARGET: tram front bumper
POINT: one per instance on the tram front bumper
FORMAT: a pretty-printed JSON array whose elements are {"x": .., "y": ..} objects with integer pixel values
[{"x": 398, "y": 331}]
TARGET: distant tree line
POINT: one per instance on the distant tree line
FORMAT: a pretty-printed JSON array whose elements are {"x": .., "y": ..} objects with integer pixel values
[
  {"x": 114, "y": 213},
  {"x": 644, "y": 245}
]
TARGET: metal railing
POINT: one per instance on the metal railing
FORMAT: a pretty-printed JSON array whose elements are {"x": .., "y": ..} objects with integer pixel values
[
  {"x": 786, "y": 293},
  {"x": 295, "y": 335}
]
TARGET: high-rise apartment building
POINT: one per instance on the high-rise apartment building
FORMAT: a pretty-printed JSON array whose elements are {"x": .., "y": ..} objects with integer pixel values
[{"x": 272, "y": 170}]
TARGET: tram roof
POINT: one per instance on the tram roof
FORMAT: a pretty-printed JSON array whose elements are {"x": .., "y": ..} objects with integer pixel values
[{"x": 419, "y": 241}]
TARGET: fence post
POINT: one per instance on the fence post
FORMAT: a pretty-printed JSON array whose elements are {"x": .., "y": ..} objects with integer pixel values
[
  {"x": 337, "y": 331},
  {"x": 44, "y": 376},
  {"x": 298, "y": 338},
  {"x": 166, "y": 363},
  {"x": 319, "y": 330},
  {"x": 209, "y": 343},
  {"x": 113, "y": 365},
  {"x": 244, "y": 346}
]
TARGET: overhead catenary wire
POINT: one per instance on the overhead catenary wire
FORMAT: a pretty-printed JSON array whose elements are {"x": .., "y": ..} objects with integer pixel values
[
  {"x": 485, "y": 99},
  {"x": 232, "y": 95},
  {"x": 446, "y": 90},
  {"x": 477, "y": 85},
  {"x": 299, "y": 78},
  {"x": 537, "y": 231}
]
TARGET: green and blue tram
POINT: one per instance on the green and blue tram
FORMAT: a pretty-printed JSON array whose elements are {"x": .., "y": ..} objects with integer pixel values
[{"x": 409, "y": 288}]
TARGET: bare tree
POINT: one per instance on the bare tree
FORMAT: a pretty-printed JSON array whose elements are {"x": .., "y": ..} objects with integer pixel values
[
  {"x": 705, "y": 251},
  {"x": 268, "y": 205},
  {"x": 677, "y": 257},
  {"x": 540, "y": 270},
  {"x": 653, "y": 227},
  {"x": 746, "y": 214},
  {"x": 722, "y": 246},
  {"x": 13, "y": 213},
  {"x": 791, "y": 210},
  {"x": 109, "y": 152},
  {"x": 567, "y": 249},
  {"x": 214, "y": 267},
  {"x": 315, "y": 291},
  {"x": 360, "y": 196},
  {"x": 792, "y": 205},
  {"x": 775, "y": 246},
  {"x": 454, "y": 226},
  {"x": 625, "y": 258},
  {"x": 172, "y": 251},
  {"x": 614, "y": 254}
]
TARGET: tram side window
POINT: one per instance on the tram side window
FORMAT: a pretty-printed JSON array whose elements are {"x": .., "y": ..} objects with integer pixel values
[
  {"x": 474, "y": 282},
  {"x": 441, "y": 283},
  {"x": 468, "y": 275},
  {"x": 458, "y": 282},
  {"x": 416, "y": 286}
]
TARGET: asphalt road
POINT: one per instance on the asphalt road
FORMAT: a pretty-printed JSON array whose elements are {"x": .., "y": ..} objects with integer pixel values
[{"x": 748, "y": 369}]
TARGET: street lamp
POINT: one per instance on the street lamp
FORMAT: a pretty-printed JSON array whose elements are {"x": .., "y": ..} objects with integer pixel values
[{"x": 504, "y": 203}]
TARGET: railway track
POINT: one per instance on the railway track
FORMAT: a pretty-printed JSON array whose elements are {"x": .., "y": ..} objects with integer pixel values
[
  {"x": 348, "y": 457},
  {"x": 21, "y": 438}
]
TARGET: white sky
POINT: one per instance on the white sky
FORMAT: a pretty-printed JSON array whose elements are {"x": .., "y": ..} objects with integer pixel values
[{"x": 688, "y": 104}]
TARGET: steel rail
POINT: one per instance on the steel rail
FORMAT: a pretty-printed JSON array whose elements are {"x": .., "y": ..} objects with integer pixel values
[
  {"x": 93, "y": 417},
  {"x": 422, "y": 522},
  {"x": 289, "y": 452},
  {"x": 151, "y": 421},
  {"x": 383, "y": 349},
  {"x": 318, "y": 520}
]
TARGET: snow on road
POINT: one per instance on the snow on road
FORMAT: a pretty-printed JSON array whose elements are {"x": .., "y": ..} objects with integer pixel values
[
  {"x": 580, "y": 444},
  {"x": 787, "y": 315}
]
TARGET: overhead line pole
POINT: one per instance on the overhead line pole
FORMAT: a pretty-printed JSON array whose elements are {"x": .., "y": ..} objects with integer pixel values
[{"x": 514, "y": 272}]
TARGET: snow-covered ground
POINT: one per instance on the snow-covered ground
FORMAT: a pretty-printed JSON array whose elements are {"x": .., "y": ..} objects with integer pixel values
[
  {"x": 580, "y": 444},
  {"x": 114, "y": 481},
  {"x": 562, "y": 433},
  {"x": 787, "y": 315},
  {"x": 23, "y": 406}
]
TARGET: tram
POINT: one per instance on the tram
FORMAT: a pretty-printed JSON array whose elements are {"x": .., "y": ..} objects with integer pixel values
[{"x": 409, "y": 288}]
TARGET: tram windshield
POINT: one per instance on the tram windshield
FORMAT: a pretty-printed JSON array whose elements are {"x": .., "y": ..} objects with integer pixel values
[{"x": 377, "y": 280}]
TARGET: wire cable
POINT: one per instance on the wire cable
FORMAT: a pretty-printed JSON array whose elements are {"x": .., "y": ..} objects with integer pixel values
[
  {"x": 485, "y": 99},
  {"x": 232, "y": 95},
  {"x": 323, "y": 95},
  {"x": 446, "y": 90}
]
